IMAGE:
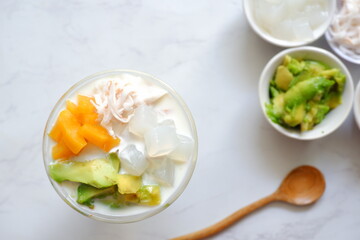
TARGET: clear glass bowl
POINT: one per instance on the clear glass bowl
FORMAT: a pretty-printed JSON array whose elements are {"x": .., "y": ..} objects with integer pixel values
[
  {"x": 339, "y": 50},
  {"x": 115, "y": 218}
]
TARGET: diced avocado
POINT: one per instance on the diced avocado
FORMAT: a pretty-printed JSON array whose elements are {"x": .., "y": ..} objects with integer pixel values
[
  {"x": 306, "y": 90},
  {"x": 300, "y": 77},
  {"x": 333, "y": 99},
  {"x": 115, "y": 160},
  {"x": 149, "y": 195},
  {"x": 276, "y": 109},
  {"x": 86, "y": 193},
  {"x": 314, "y": 67},
  {"x": 340, "y": 80},
  {"x": 115, "y": 200},
  {"x": 283, "y": 78},
  {"x": 295, "y": 67},
  {"x": 304, "y": 75},
  {"x": 296, "y": 116},
  {"x": 270, "y": 113},
  {"x": 128, "y": 183},
  {"x": 287, "y": 60},
  {"x": 311, "y": 69},
  {"x": 278, "y": 103},
  {"x": 131, "y": 198},
  {"x": 315, "y": 115},
  {"x": 307, "y": 123},
  {"x": 330, "y": 73},
  {"x": 322, "y": 110},
  {"x": 273, "y": 92},
  {"x": 98, "y": 173},
  {"x": 336, "y": 75},
  {"x": 118, "y": 200}
]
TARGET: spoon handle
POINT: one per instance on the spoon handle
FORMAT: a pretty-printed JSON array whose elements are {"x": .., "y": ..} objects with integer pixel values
[{"x": 226, "y": 222}]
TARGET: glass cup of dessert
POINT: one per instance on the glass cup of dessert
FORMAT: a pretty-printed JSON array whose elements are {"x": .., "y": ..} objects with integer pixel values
[{"x": 120, "y": 146}]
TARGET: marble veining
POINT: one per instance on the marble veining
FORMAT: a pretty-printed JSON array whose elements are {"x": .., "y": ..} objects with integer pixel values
[{"x": 205, "y": 50}]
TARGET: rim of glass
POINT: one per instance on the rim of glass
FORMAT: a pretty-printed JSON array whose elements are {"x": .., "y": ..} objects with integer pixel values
[{"x": 152, "y": 210}]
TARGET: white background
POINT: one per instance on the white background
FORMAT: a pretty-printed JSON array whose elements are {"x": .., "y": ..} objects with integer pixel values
[{"x": 208, "y": 53}]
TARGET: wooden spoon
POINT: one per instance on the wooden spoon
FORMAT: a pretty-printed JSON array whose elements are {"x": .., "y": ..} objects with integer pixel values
[{"x": 302, "y": 186}]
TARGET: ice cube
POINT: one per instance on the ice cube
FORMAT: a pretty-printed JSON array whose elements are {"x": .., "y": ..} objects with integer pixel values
[
  {"x": 297, "y": 5},
  {"x": 168, "y": 122},
  {"x": 133, "y": 161},
  {"x": 160, "y": 140},
  {"x": 294, "y": 7},
  {"x": 283, "y": 30},
  {"x": 302, "y": 29},
  {"x": 184, "y": 149},
  {"x": 259, "y": 13},
  {"x": 274, "y": 1},
  {"x": 269, "y": 14},
  {"x": 315, "y": 14},
  {"x": 162, "y": 170},
  {"x": 144, "y": 119}
]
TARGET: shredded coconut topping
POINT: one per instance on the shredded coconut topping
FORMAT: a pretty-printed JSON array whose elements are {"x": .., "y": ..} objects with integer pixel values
[
  {"x": 117, "y": 98},
  {"x": 345, "y": 27}
]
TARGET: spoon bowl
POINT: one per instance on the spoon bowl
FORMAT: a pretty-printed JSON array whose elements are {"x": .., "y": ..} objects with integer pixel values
[{"x": 302, "y": 186}]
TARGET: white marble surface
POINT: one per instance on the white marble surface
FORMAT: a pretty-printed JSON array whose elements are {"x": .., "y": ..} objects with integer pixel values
[{"x": 204, "y": 49}]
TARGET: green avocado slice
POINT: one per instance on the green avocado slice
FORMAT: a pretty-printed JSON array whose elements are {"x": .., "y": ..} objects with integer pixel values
[
  {"x": 283, "y": 78},
  {"x": 86, "y": 193},
  {"x": 306, "y": 90},
  {"x": 98, "y": 173},
  {"x": 115, "y": 161},
  {"x": 149, "y": 195}
]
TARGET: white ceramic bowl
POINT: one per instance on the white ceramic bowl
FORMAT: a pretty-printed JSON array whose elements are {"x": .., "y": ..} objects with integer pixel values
[
  {"x": 335, "y": 117},
  {"x": 357, "y": 104},
  {"x": 248, "y": 6}
]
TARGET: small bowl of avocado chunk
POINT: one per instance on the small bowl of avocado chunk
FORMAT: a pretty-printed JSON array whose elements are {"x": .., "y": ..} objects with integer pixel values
[{"x": 306, "y": 93}]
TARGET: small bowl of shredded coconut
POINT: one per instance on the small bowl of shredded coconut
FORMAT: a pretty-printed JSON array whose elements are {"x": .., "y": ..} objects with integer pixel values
[{"x": 343, "y": 35}]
